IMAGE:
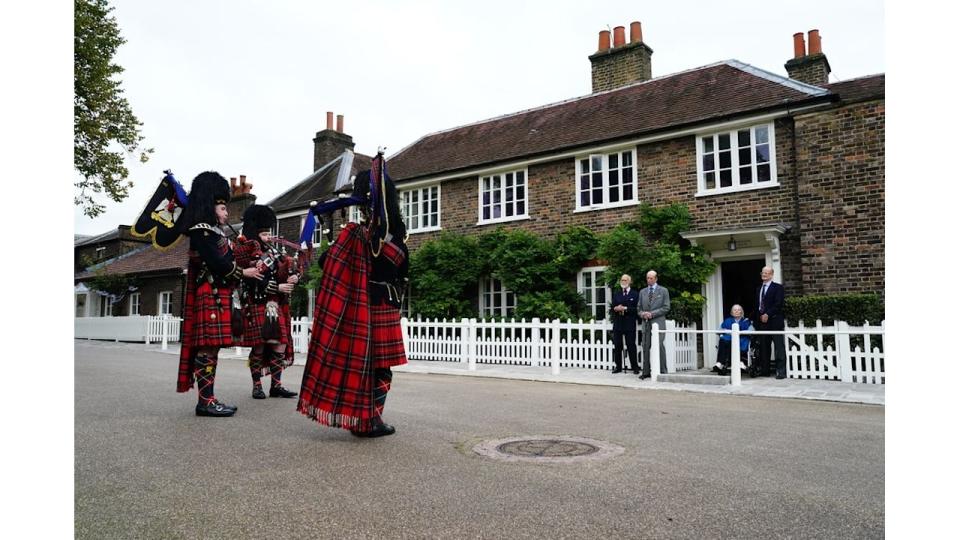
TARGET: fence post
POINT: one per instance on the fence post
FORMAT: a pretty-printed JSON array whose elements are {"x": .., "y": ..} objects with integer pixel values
[
  {"x": 472, "y": 344},
  {"x": 735, "y": 355},
  {"x": 535, "y": 342},
  {"x": 655, "y": 352},
  {"x": 146, "y": 339},
  {"x": 670, "y": 346},
  {"x": 163, "y": 332},
  {"x": 555, "y": 347},
  {"x": 405, "y": 330},
  {"x": 843, "y": 352}
]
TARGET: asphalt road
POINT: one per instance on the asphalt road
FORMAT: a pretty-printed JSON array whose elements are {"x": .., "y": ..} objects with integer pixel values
[{"x": 694, "y": 465}]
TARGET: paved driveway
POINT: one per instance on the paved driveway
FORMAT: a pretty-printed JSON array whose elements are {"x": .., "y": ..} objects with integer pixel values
[{"x": 694, "y": 465}]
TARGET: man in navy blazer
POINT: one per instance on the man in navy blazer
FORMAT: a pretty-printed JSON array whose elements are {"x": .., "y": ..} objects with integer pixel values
[
  {"x": 625, "y": 324},
  {"x": 770, "y": 317}
]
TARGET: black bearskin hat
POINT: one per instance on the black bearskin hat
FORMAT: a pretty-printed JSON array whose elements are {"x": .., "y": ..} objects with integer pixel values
[
  {"x": 258, "y": 218},
  {"x": 207, "y": 191}
]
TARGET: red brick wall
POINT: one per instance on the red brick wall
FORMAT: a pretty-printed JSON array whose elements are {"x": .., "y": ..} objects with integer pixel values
[{"x": 841, "y": 197}]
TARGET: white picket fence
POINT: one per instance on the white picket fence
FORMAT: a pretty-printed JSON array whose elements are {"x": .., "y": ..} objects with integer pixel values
[
  {"x": 556, "y": 344},
  {"x": 840, "y": 362},
  {"x": 146, "y": 328}
]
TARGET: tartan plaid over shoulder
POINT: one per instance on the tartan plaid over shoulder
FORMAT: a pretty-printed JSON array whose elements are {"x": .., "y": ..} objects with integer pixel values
[{"x": 338, "y": 378}]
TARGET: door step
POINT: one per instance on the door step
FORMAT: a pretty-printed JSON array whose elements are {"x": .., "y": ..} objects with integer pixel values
[{"x": 694, "y": 377}]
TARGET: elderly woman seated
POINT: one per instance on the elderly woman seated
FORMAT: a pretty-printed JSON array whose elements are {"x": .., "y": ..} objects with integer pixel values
[{"x": 723, "y": 349}]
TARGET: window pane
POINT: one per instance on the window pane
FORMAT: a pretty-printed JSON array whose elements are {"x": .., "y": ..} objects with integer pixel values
[
  {"x": 596, "y": 163},
  {"x": 486, "y": 183},
  {"x": 486, "y": 212},
  {"x": 743, "y": 137},
  {"x": 585, "y": 182},
  {"x": 746, "y": 175},
  {"x": 627, "y": 159},
  {"x": 726, "y": 178},
  {"x": 763, "y": 173},
  {"x": 614, "y": 194},
  {"x": 509, "y": 180},
  {"x": 710, "y": 180},
  {"x": 762, "y": 134},
  {"x": 601, "y": 292},
  {"x": 434, "y": 220},
  {"x": 496, "y": 197},
  {"x": 612, "y": 161},
  {"x": 614, "y": 177},
  {"x": 708, "y": 164},
  {"x": 597, "y": 179},
  {"x": 599, "y": 312},
  {"x": 588, "y": 295},
  {"x": 587, "y": 280},
  {"x": 724, "y": 141},
  {"x": 584, "y": 166},
  {"x": 707, "y": 144},
  {"x": 763, "y": 153},
  {"x": 584, "y": 198},
  {"x": 597, "y": 196},
  {"x": 628, "y": 191},
  {"x": 508, "y": 196},
  {"x": 520, "y": 177},
  {"x": 521, "y": 208},
  {"x": 725, "y": 160},
  {"x": 520, "y": 193},
  {"x": 744, "y": 156}
]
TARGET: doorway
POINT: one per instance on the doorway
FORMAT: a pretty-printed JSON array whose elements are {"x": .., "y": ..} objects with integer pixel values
[{"x": 740, "y": 280}]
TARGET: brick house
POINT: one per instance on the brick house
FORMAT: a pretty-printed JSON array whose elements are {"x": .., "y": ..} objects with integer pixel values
[
  {"x": 158, "y": 275},
  {"x": 786, "y": 171}
]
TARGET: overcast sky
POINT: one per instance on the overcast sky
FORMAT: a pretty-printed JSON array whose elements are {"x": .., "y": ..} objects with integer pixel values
[{"x": 242, "y": 87}]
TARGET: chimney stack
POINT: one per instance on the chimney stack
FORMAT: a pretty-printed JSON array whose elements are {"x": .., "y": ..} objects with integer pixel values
[
  {"x": 330, "y": 143},
  {"x": 811, "y": 66},
  {"x": 624, "y": 63},
  {"x": 240, "y": 198}
]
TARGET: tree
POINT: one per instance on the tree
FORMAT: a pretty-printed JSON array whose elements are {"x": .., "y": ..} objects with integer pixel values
[{"x": 103, "y": 122}]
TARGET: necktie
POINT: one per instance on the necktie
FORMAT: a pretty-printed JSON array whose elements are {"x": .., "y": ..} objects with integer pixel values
[
  {"x": 763, "y": 292},
  {"x": 650, "y": 296}
]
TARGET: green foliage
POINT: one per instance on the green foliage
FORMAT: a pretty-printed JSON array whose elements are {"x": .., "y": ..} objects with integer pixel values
[
  {"x": 115, "y": 284},
  {"x": 686, "y": 307},
  {"x": 850, "y": 308},
  {"x": 299, "y": 299},
  {"x": 103, "y": 121},
  {"x": 443, "y": 274},
  {"x": 572, "y": 247}
]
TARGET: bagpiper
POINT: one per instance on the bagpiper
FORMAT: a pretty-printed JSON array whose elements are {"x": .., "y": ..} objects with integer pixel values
[
  {"x": 356, "y": 336},
  {"x": 266, "y": 302},
  {"x": 212, "y": 275}
]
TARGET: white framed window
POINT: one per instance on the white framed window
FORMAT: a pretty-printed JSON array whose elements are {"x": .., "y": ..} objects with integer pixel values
[
  {"x": 101, "y": 251},
  {"x": 106, "y": 307},
  {"x": 81, "y": 305},
  {"x": 421, "y": 208},
  {"x": 503, "y": 196},
  {"x": 165, "y": 303},
  {"x": 495, "y": 299},
  {"x": 134, "y": 303},
  {"x": 736, "y": 160},
  {"x": 607, "y": 180},
  {"x": 596, "y": 293}
]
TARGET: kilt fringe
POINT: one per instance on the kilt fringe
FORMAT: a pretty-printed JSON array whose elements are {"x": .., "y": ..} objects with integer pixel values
[{"x": 331, "y": 419}]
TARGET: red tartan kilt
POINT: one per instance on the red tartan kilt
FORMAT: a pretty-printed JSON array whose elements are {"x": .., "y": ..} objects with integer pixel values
[
  {"x": 211, "y": 317},
  {"x": 253, "y": 317},
  {"x": 387, "y": 337}
]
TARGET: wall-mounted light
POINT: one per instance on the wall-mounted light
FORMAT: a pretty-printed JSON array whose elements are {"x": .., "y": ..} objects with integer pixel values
[{"x": 732, "y": 244}]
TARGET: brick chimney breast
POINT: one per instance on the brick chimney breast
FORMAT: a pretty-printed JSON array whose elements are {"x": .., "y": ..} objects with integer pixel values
[
  {"x": 808, "y": 66},
  {"x": 625, "y": 63},
  {"x": 330, "y": 143}
]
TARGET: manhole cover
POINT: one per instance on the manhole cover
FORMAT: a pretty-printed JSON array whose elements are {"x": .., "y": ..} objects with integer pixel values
[{"x": 542, "y": 449}]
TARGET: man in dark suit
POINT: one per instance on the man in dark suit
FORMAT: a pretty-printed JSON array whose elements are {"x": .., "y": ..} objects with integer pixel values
[
  {"x": 770, "y": 317},
  {"x": 625, "y": 324}
]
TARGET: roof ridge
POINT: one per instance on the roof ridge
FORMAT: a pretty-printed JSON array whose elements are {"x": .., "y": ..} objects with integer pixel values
[
  {"x": 556, "y": 104},
  {"x": 312, "y": 176},
  {"x": 773, "y": 77},
  {"x": 858, "y": 78}
]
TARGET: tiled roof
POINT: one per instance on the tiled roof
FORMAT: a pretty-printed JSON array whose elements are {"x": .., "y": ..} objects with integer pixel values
[
  {"x": 719, "y": 91},
  {"x": 145, "y": 260},
  {"x": 318, "y": 186},
  {"x": 861, "y": 88}
]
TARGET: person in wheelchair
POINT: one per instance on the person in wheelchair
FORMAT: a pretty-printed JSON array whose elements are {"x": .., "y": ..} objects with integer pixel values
[{"x": 723, "y": 348}]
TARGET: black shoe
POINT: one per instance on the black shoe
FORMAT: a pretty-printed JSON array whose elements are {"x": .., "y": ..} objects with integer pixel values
[
  {"x": 617, "y": 370},
  {"x": 642, "y": 377},
  {"x": 215, "y": 409},
  {"x": 280, "y": 391},
  {"x": 636, "y": 372},
  {"x": 258, "y": 393},
  {"x": 781, "y": 376},
  {"x": 224, "y": 405},
  {"x": 380, "y": 431}
]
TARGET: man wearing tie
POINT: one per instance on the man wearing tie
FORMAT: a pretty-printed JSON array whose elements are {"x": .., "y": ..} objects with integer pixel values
[
  {"x": 625, "y": 324},
  {"x": 770, "y": 317},
  {"x": 654, "y": 305}
]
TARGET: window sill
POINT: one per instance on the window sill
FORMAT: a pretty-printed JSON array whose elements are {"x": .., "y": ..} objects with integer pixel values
[
  {"x": 503, "y": 220},
  {"x": 424, "y": 230},
  {"x": 622, "y": 204},
  {"x": 738, "y": 189}
]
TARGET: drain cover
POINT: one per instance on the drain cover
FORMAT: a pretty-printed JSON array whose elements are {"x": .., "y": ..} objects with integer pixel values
[{"x": 547, "y": 449}]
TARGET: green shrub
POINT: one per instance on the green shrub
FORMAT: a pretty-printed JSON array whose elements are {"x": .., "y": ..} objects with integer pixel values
[{"x": 849, "y": 307}]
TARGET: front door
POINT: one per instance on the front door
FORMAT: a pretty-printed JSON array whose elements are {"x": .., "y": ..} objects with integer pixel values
[{"x": 740, "y": 280}]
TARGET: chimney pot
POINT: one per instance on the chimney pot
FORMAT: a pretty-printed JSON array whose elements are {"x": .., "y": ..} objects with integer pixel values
[
  {"x": 339, "y": 123},
  {"x": 233, "y": 183},
  {"x": 329, "y": 120},
  {"x": 618, "y": 36},
  {"x": 636, "y": 34},
  {"x": 604, "y": 41},
  {"x": 799, "y": 48},
  {"x": 243, "y": 179},
  {"x": 814, "y": 38}
]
